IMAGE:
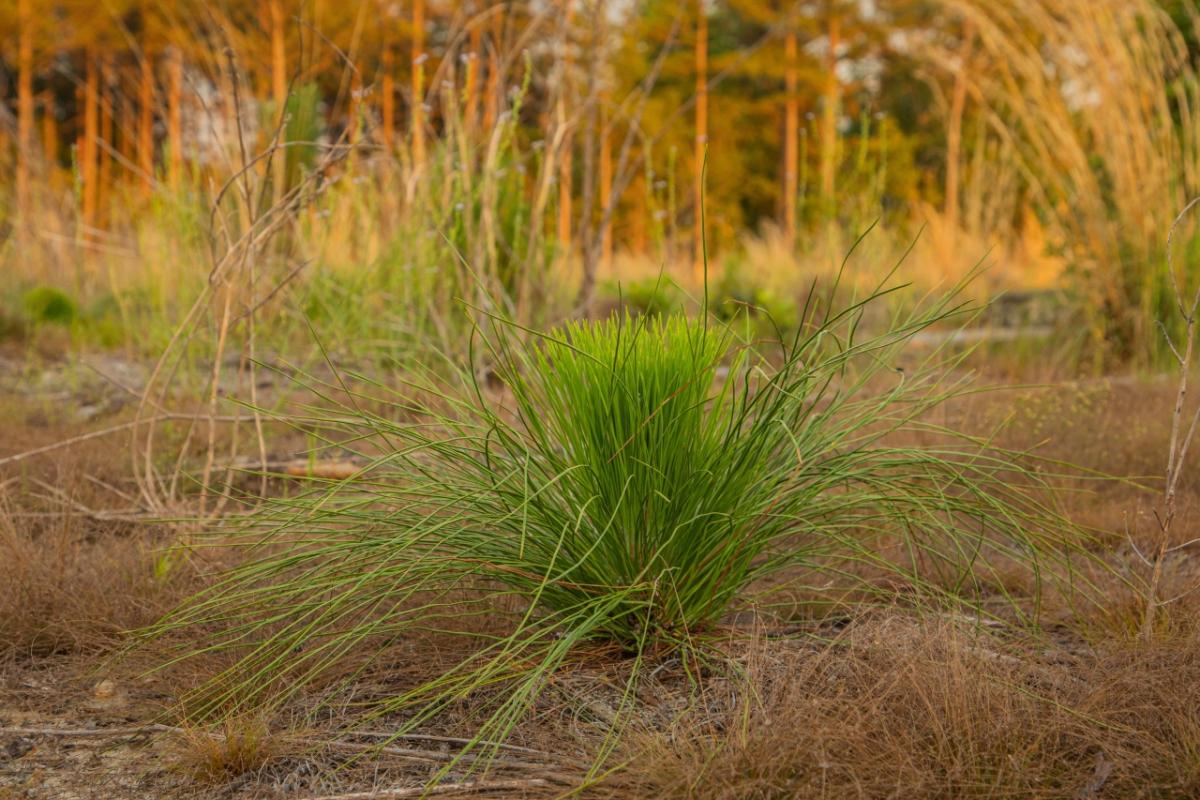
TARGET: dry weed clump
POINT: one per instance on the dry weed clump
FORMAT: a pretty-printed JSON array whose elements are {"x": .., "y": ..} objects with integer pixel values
[
  {"x": 902, "y": 708},
  {"x": 71, "y": 582},
  {"x": 237, "y": 747}
]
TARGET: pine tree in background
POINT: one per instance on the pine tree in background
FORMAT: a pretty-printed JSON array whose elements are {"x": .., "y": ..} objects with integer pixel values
[{"x": 701, "y": 144}]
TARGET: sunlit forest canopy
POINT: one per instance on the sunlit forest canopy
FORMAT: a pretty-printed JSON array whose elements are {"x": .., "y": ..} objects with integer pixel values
[{"x": 555, "y": 147}]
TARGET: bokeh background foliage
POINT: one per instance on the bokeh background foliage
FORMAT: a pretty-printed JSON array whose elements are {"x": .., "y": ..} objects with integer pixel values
[{"x": 554, "y": 151}]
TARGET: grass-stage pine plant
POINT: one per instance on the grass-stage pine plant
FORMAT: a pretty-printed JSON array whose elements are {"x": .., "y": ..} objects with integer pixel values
[{"x": 617, "y": 486}]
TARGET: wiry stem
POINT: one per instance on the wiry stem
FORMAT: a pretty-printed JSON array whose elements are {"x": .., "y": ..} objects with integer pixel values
[{"x": 1178, "y": 445}]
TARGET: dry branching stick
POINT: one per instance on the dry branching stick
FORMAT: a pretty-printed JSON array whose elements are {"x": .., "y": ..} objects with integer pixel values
[
  {"x": 124, "y": 426},
  {"x": 1180, "y": 440},
  {"x": 475, "y": 787},
  {"x": 407, "y": 753},
  {"x": 235, "y": 253}
]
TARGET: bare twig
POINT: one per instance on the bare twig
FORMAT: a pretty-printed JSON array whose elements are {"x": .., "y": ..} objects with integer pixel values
[
  {"x": 413, "y": 754},
  {"x": 83, "y": 437},
  {"x": 1180, "y": 439},
  {"x": 444, "y": 788},
  {"x": 71, "y": 733},
  {"x": 424, "y": 737}
]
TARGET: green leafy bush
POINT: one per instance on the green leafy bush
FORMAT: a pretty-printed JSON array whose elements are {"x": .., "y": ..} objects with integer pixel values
[
  {"x": 646, "y": 296},
  {"x": 48, "y": 304}
]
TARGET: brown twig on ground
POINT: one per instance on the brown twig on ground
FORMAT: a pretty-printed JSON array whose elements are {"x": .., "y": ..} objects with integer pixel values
[
  {"x": 124, "y": 426},
  {"x": 433, "y": 756},
  {"x": 424, "y": 737},
  {"x": 71, "y": 733},
  {"x": 475, "y": 787}
]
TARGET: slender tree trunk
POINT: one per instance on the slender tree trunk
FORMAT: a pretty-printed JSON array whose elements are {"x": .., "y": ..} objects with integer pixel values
[
  {"x": 278, "y": 85},
  {"x": 494, "y": 87},
  {"x": 591, "y": 223},
  {"x": 606, "y": 181},
  {"x": 639, "y": 239},
  {"x": 25, "y": 110},
  {"x": 354, "y": 110},
  {"x": 106, "y": 140},
  {"x": 418, "y": 83},
  {"x": 829, "y": 113},
  {"x": 127, "y": 127},
  {"x": 49, "y": 130},
  {"x": 958, "y": 103},
  {"x": 565, "y": 187},
  {"x": 472, "y": 81},
  {"x": 77, "y": 154},
  {"x": 125, "y": 121},
  {"x": 672, "y": 226},
  {"x": 387, "y": 100},
  {"x": 175, "y": 117},
  {"x": 146, "y": 123},
  {"x": 566, "y": 164},
  {"x": 791, "y": 143},
  {"x": 701, "y": 138},
  {"x": 91, "y": 131}
]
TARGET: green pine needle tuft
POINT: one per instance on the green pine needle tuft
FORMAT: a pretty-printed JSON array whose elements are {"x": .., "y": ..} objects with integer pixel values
[{"x": 627, "y": 488}]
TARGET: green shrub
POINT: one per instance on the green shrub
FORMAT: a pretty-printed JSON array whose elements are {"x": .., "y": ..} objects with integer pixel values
[
  {"x": 633, "y": 480},
  {"x": 105, "y": 321},
  {"x": 48, "y": 304},
  {"x": 762, "y": 309},
  {"x": 653, "y": 296}
]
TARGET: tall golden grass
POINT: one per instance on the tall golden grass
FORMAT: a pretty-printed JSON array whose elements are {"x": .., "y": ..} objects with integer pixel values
[{"x": 1095, "y": 104}]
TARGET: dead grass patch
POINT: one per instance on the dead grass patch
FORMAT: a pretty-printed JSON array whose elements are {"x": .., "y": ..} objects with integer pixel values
[
  {"x": 67, "y": 586},
  {"x": 898, "y": 707},
  {"x": 234, "y": 748}
]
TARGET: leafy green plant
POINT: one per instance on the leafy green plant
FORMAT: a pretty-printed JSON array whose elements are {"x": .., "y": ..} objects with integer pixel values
[
  {"x": 47, "y": 304},
  {"x": 759, "y": 308},
  {"x": 658, "y": 295},
  {"x": 304, "y": 126},
  {"x": 625, "y": 490}
]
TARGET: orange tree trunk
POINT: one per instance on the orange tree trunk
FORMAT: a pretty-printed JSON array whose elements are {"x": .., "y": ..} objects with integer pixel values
[
  {"x": 791, "y": 144},
  {"x": 387, "y": 99},
  {"x": 701, "y": 138},
  {"x": 145, "y": 136},
  {"x": 91, "y": 131},
  {"x": 175, "y": 118},
  {"x": 492, "y": 112},
  {"x": 49, "y": 130},
  {"x": 278, "y": 85},
  {"x": 418, "y": 82},
  {"x": 566, "y": 164},
  {"x": 24, "y": 99},
  {"x": 829, "y": 114},
  {"x": 472, "y": 83},
  {"x": 958, "y": 102}
]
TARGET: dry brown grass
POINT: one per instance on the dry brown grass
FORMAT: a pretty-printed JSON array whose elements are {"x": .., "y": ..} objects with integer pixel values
[
  {"x": 73, "y": 578},
  {"x": 898, "y": 704},
  {"x": 76, "y": 569},
  {"x": 238, "y": 747},
  {"x": 63, "y": 590},
  {"x": 901, "y": 707}
]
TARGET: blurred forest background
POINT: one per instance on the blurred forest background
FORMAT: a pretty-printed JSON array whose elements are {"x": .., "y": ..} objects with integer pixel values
[{"x": 363, "y": 165}]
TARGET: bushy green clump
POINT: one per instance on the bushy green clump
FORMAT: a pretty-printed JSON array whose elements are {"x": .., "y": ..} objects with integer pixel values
[
  {"x": 646, "y": 296},
  {"x": 628, "y": 484},
  {"x": 649, "y": 496},
  {"x": 48, "y": 304}
]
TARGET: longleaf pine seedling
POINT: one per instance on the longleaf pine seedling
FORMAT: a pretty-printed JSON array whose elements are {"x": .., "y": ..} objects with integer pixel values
[{"x": 625, "y": 485}]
